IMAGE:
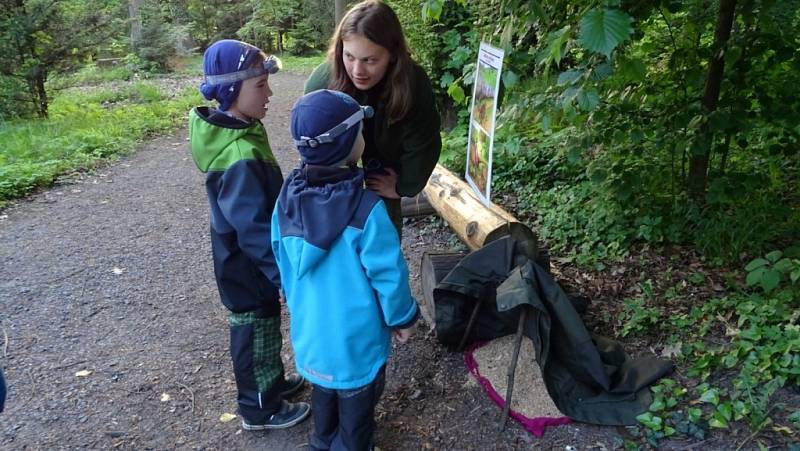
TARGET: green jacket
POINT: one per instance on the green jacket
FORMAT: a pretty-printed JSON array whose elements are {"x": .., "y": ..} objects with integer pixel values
[
  {"x": 589, "y": 377},
  {"x": 410, "y": 146},
  {"x": 242, "y": 182}
]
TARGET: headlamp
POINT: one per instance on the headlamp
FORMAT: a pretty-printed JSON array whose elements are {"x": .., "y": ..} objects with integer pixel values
[
  {"x": 270, "y": 66},
  {"x": 330, "y": 135}
]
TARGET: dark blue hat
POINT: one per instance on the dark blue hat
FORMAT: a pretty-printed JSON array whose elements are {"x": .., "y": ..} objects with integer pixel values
[
  {"x": 226, "y": 57},
  {"x": 325, "y": 125}
]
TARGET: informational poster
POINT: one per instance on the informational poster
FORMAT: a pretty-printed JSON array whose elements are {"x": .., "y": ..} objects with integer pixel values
[{"x": 481, "y": 120}]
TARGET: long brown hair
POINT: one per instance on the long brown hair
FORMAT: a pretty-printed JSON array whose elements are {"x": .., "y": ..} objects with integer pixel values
[{"x": 377, "y": 22}]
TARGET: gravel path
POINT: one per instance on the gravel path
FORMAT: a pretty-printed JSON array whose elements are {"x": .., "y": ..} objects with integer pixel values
[{"x": 114, "y": 336}]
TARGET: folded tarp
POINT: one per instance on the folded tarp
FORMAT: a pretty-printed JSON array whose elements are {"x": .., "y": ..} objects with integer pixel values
[{"x": 590, "y": 378}]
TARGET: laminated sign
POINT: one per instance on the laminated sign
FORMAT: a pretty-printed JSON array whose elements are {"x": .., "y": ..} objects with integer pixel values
[{"x": 481, "y": 120}]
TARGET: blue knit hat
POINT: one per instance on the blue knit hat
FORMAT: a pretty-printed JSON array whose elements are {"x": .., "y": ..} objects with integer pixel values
[
  {"x": 325, "y": 125},
  {"x": 226, "y": 64}
]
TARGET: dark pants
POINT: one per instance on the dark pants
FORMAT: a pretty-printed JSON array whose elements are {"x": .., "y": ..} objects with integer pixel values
[
  {"x": 344, "y": 420},
  {"x": 257, "y": 366}
]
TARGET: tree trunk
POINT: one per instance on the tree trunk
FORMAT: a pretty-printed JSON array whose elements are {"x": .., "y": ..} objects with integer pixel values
[
  {"x": 698, "y": 161},
  {"x": 416, "y": 206},
  {"x": 338, "y": 10},
  {"x": 41, "y": 94},
  {"x": 136, "y": 22},
  {"x": 473, "y": 222}
]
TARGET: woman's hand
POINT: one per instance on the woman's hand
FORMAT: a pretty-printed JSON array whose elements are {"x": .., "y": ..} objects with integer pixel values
[{"x": 385, "y": 185}]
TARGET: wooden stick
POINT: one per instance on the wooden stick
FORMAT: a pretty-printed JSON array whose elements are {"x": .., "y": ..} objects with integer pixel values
[
  {"x": 513, "y": 367},
  {"x": 470, "y": 324},
  {"x": 190, "y": 392}
]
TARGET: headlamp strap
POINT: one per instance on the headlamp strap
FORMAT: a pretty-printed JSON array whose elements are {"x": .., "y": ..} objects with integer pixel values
[
  {"x": 330, "y": 135},
  {"x": 270, "y": 66}
]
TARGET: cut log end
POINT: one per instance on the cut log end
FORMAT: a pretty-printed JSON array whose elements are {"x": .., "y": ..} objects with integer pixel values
[
  {"x": 433, "y": 268},
  {"x": 416, "y": 206}
]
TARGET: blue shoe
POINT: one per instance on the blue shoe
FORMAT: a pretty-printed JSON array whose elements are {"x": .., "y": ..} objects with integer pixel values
[
  {"x": 289, "y": 415},
  {"x": 292, "y": 384}
]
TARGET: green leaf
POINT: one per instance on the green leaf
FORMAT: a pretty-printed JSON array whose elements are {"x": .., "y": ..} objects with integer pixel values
[
  {"x": 726, "y": 410},
  {"x": 718, "y": 421},
  {"x": 574, "y": 155},
  {"x": 456, "y": 93},
  {"x": 650, "y": 421},
  {"x": 633, "y": 70},
  {"x": 510, "y": 79},
  {"x": 774, "y": 256},
  {"x": 754, "y": 277},
  {"x": 711, "y": 395},
  {"x": 602, "y": 30},
  {"x": 557, "y": 39},
  {"x": 568, "y": 77},
  {"x": 446, "y": 79},
  {"x": 783, "y": 265},
  {"x": 657, "y": 405},
  {"x": 694, "y": 414},
  {"x": 432, "y": 9},
  {"x": 588, "y": 99},
  {"x": 795, "y": 275},
  {"x": 770, "y": 280},
  {"x": 757, "y": 263}
]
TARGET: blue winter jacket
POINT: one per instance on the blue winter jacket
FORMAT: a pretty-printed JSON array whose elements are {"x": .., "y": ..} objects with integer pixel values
[
  {"x": 242, "y": 182},
  {"x": 343, "y": 275}
]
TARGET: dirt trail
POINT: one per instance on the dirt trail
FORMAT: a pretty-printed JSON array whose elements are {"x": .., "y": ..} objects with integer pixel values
[{"x": 109, "y": 276}]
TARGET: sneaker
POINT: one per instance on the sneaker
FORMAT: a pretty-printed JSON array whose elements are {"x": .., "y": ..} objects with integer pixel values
[
  {"x": 289, "y": 415},
  {"x": 292, "y": 384}
]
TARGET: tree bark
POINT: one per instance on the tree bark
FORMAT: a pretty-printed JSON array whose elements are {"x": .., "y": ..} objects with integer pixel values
[
  {"x": 416, "y": 206},
  {"x": 338, "y": 10},
  {"x": 432, "y": 269},
  {"x": 41, "y": 95},
  {"x": 473, "y": 222},
  {"x": 136, "y": 22},
  {"x": 698, "y": 161}
]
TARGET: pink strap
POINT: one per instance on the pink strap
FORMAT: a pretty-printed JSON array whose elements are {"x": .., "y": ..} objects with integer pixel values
[{"x": 535, "y": 426}]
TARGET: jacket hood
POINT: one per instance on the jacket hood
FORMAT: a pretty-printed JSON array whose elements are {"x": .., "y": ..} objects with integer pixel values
[
  {"x": 211, "y": 132},
  {"x": 318, "y": 203}
]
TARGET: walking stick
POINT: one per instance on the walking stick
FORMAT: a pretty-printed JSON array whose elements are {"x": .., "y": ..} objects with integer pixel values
[
  {"x": 470, "y": 324},
  {"x": 513, "y": 367}
]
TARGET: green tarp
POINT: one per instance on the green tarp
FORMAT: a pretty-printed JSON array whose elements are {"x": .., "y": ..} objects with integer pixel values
[{"x": 590, "y": 378}]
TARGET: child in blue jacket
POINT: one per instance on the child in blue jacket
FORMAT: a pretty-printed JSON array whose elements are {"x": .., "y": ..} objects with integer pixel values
[
  {"x": 229, "y": 144},
  {"x": 342, "y": 271}
]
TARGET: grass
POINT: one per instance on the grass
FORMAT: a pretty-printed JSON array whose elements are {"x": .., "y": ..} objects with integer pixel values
[
  {"x": 110, "y": 119},
  {"x": 301, "y": 64},
  {"x": 81, "y": 134}
]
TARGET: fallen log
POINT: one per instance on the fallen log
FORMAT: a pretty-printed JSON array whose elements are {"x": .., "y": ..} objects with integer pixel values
[
  {"x": 433, "y": 267},
  {"x": 416, "y": 206},
  {"x": 473, "y": 222}
]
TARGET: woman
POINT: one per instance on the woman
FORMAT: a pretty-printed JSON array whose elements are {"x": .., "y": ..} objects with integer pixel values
[{"x": 369, "y": 60}]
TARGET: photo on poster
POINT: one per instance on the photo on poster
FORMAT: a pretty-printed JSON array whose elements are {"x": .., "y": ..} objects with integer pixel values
[
  {"x": 478, "y": 165},
  {"x": 483, "y": 106},
  {"x": 482, "y": 121}
]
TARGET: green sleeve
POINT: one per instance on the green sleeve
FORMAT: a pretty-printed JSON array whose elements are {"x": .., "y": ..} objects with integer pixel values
[
  {"x": 420, "y": 139},
  {"x": 318, "y": 79}
]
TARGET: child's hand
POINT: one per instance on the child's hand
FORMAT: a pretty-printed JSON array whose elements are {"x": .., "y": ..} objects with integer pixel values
[{"x": 403, "y": 335}]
